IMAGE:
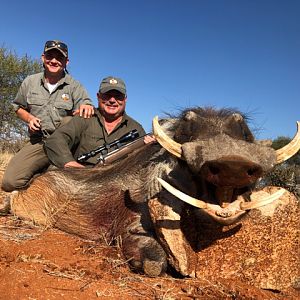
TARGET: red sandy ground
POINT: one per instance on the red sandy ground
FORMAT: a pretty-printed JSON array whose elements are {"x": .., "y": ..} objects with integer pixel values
[{"x": 39, "y": 263}]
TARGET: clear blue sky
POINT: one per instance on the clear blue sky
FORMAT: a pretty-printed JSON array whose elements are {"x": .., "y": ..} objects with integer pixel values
[{"x": 175, "y": 54}]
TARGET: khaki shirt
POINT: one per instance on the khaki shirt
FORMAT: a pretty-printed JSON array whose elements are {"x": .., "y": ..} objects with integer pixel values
[
  {"x": 80, "y": 136},
  {"x": 34, "y": 97}
]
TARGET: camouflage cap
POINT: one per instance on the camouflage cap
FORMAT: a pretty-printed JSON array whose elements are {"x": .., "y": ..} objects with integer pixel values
[
  {"x": 112, "y": 83},
  {"x": 55, "y": 44}
]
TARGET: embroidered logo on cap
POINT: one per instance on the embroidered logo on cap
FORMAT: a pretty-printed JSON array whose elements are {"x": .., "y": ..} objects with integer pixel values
[
  {"x": 113, "y": 81},
  {"x": 65, "y": 97}
]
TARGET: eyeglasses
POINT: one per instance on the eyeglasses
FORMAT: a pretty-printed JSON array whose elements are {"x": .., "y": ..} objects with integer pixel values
[
  {"x": 57, "y": 44},
  {"x": 49, "y": 55},
  {"x": 107, "y": 96}
]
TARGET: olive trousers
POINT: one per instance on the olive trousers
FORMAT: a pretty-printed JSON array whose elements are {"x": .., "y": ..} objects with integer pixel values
[{"x": 30, "y": 160}]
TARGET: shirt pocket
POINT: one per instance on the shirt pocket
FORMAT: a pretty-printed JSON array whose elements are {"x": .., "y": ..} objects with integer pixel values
[
  {"x": 64, "y": 103},
  {"x": 36, "y": 105},
  {"x": 93, "y": 138},
  {"x": 90, "y": 141},
  {"x": 35, "y": 100}
]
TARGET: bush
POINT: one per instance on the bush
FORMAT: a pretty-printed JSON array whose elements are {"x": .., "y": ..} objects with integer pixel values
[
  {"x": 13, "y": 70},
  {"x": 286, "y": 176}
]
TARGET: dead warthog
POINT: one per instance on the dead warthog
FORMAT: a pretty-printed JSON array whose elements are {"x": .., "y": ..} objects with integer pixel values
[{"x": 207, "y": 158}]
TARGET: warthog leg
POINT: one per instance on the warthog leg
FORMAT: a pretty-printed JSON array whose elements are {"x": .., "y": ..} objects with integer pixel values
[{"x": 144, "y": 253}]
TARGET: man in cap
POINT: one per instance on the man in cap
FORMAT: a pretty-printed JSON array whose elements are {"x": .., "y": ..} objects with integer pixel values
[
  {"x": 43, "y": 102},
  {"x": 79, "y": 136}
]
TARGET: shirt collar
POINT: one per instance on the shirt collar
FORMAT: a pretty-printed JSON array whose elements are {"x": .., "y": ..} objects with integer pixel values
[{"x": 65, "y": 79}]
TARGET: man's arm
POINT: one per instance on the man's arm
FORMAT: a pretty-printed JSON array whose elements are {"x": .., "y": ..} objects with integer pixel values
[
  {"x": 58, "y": 146},
  {"x": 73, "y": 164},
  {"x": 83, "y": 105},
  {"x": 33, "y": 122},
  {"x": 20, "y": 106}
]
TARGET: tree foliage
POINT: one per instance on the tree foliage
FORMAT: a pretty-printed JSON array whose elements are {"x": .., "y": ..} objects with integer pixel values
[
  {"x": 287, "y": 174},
  {"x": 13, "y": 70}
]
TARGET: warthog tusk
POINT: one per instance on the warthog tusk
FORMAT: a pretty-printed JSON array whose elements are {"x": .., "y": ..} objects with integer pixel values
[
  {"x": 182, "y": 196},
  {"x": 290, "y": 149},
  {"x": 263, "y": 201},
  {"x": 165, "y": 141},
  {"x": 207, "y": 206}
]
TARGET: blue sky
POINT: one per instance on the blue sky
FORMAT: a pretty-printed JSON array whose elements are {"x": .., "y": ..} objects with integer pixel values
[{"x": 175, "y": 54}]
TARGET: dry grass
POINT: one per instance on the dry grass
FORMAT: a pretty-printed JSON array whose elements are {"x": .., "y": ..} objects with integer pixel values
[
  {"x": 4, "y": 159},
  {"x": 14, "y": 229}
]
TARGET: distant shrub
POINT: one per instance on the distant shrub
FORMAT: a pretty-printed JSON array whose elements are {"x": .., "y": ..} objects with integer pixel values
[{"x": 286, "y": 176}]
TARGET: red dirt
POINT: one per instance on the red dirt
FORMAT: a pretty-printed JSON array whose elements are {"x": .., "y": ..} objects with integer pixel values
[
  {"x": 49, "y": 264},
  {"x": 39, "y": 263}
]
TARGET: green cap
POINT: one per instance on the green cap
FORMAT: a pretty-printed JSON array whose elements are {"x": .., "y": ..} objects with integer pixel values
[
  {"x": 59, "y": 45},
  {"x": 112, "y": 83}
]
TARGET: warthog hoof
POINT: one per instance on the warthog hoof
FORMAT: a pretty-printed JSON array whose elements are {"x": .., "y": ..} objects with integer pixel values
[{"x": 154, "y": 268}]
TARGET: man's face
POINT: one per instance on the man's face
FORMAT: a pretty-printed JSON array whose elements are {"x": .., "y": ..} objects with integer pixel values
[
  {"x": 54, "y": 61},
  {"x": 112, "y": 104}
]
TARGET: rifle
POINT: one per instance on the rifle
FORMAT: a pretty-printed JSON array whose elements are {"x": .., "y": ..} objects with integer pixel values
[
  {"x": 121, "y": 152},
  {"x": 121, "y": 147}
]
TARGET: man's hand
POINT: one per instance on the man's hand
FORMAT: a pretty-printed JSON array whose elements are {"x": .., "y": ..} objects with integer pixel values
[
  {"x": 34, "y": 123},
  {"x": 73, "y": 164},
  {"x": 149, "y": 139},
  {"x": 85, "y": 111}
]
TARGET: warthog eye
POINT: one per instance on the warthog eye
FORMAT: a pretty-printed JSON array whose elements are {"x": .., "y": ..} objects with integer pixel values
[
  {"x": 253, "y": 171},
  {"x": 214, "y": 170}
]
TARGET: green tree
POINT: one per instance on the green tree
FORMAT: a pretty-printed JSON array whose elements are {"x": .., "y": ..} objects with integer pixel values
[
  {"x": 13, "y": 70},
  {"x": 287, "y": 174}
]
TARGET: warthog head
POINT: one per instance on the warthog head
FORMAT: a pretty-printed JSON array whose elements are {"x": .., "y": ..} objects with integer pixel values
[{"x": 223, "y": 158}]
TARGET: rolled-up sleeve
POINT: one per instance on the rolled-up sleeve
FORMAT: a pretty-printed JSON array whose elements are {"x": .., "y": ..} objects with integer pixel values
[
  {"x": 59, "y": 145},
  {"x": 80, "y": 95},
  {"x": 21, "y": 97}
]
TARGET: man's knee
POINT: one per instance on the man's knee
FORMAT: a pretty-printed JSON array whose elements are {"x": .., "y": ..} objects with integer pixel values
[
  {"x": 65, "y": 120},
  {"x": 10, "y": 183},
  {"x": 15, "y": 178}
]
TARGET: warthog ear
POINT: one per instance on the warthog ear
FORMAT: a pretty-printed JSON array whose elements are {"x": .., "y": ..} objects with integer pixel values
[
  {"x": 238, "y": 119},
  {"x": 190, "y": 116},
  {"x": 267, "y": 143}
]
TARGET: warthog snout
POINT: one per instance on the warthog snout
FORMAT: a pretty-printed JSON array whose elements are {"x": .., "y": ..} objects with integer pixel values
[{"x": 231, "y": 171}]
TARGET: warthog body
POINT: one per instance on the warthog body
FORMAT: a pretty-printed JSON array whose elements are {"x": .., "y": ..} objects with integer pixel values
[{"x": 220, "y": 163}]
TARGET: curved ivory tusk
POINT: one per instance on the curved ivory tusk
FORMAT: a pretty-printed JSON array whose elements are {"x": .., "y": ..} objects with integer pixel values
[
  {"x": 182, "y": 196},
  {"x": 165, "y": 141},
  {"x": 201, "y": 204},
  {"x": 290, "y": 149},
  {"x": 263, "y": 201}
]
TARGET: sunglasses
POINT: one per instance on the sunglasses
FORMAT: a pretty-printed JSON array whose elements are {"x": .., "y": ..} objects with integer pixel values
[
  {"x": 117, "y": 96},
  {"x": 60, "y": 45}
]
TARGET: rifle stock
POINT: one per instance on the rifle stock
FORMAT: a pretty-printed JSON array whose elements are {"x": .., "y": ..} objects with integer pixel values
[{"x": 122, "y": 152}]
